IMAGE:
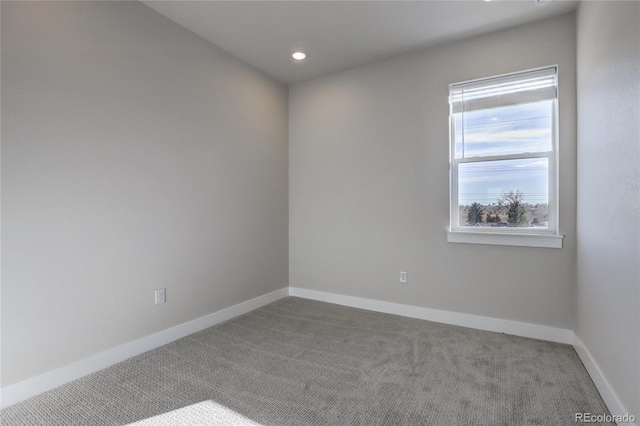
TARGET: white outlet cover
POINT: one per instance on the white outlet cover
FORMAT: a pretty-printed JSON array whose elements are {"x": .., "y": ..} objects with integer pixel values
[
  {"x": 160, "y": 296},
  {"x": 404, "y": 277}
]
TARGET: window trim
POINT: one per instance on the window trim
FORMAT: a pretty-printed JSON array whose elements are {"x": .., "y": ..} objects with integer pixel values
[
  {"x": 506, "y": 239},
  {"x": 511, "y": 236}
]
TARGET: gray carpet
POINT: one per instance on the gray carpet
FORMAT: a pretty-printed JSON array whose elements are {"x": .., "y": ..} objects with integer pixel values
[{"x": 301, "y": 362}]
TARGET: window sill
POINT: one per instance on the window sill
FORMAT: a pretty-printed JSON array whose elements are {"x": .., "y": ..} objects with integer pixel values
[{"x": 499, "y": 239}]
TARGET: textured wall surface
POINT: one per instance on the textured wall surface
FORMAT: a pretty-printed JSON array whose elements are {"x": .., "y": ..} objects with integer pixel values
[
  {"x": 608, "y": 254},
  {"x": 369, "y": 183},
  {"x": 135, "y": 155}
]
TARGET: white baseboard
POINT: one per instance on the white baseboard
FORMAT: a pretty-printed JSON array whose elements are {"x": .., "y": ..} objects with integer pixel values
[
  {"x": 28, "y": 388},
  {"x": 599, "y": 379},
  {"x": 534, "y": 331}
]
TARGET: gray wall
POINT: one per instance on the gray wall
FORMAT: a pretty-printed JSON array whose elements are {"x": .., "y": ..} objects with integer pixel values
[
  {"x": 369, "y": 184},
  {"x": 608, "y": 250},
  {"x": 135, "y": 155}
]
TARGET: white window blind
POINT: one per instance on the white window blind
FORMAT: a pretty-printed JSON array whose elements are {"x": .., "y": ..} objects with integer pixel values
[{"x": 531, "y": 86}]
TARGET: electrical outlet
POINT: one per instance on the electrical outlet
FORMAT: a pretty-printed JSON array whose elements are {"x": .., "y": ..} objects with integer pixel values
[
  {"x": 161, "y": 296},
  {"x": 404, "y": 277}
]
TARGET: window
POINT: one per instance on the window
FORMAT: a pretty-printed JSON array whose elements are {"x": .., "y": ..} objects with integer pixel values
[{"x": 504, "y": 158}]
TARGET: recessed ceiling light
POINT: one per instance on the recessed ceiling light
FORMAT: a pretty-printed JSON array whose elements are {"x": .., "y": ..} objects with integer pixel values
[{"x": 298, "y": 55}]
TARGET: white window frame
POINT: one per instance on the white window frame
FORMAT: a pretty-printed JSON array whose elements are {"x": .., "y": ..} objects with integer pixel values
[{"x": 512, "y": 236}]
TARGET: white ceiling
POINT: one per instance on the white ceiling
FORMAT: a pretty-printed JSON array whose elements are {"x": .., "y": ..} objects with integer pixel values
[{"x": 340, "y": 35}]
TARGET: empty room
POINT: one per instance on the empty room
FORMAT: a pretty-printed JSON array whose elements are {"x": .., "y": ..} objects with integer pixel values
[{"x": 320, "y": 212}]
